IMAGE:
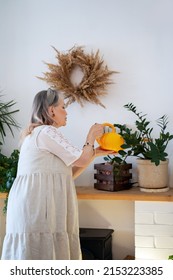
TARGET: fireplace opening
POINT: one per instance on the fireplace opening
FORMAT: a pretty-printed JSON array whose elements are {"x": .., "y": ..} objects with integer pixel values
[{"x": 96, "y": 243}]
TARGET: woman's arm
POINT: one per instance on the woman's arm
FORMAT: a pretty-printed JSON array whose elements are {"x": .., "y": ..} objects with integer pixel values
[
  {"x": 78, "y": 170},
  {"x": 97, "y": 152},
  {"x": 87, "y": 155}
]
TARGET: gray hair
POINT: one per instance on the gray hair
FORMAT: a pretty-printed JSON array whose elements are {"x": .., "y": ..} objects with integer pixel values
[
  {"x": 40, "y": 114},
  {"x": 42, "y": 101}
]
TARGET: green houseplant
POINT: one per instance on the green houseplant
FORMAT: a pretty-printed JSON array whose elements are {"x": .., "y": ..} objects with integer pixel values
[
  {"x": 7, "y": 120},
  {"x": 170, "y": 257},
  {"x": 150, "y": 151},
  {"x": 8, "y": 171},
  {"x": 114, "y": 175},
  {"x": 152, "y": 158},
  {"x": 8, "y": 165},
  {"x": 141, "y": 143}
]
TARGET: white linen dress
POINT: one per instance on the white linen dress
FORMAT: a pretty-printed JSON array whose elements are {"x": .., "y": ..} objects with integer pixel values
[{"x": 42, "y": 212}]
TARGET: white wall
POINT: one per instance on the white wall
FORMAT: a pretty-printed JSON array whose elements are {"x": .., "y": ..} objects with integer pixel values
[
  {"x": 153, "y": 230},
  {"x": 133, "y": 36}
]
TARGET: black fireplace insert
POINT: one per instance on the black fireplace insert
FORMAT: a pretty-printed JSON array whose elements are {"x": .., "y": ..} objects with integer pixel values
[{"x": 96, "y": 243}]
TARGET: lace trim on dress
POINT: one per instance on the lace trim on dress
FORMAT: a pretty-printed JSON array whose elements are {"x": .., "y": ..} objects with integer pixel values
[{"x": 57, "y": 136}]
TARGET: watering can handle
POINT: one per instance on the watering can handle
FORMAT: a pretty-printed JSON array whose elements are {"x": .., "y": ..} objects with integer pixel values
[{"x": 110, "y": 125}]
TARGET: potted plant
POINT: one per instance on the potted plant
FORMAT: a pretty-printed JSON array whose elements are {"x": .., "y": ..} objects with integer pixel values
[
  {"x": 7, "y": 120},
  {"x": 152, "y": 158},
  {"x": 8, "y": 165},
  {"x": 114, "y": 174},
  {"x": 8, "y": 171}
]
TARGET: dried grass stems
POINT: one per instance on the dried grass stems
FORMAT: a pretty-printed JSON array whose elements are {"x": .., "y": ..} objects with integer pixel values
[{"x": 96, "y": 76}]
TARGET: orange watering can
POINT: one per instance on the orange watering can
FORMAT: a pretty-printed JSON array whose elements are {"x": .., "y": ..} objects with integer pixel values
[{"x": 110, "y": 140}]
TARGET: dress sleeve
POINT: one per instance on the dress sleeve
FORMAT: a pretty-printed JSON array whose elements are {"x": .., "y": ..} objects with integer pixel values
[{"x": 53, "y": 141}]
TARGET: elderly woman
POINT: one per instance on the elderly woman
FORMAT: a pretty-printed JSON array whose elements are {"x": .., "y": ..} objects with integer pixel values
[{"x": 42, "y": 213}]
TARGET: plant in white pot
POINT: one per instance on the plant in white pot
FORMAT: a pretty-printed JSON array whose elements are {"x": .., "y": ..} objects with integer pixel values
[{"x": 152, "y": 162}]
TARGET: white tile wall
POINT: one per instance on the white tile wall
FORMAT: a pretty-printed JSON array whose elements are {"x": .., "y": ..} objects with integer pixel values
[
  {"x": 163, "y": 218},
  {"x": 144, "y": 218},
  {"x": 144, "y": 241},
  {"x": 152, "y": 253},
  {"x": 164, "y": 242},
  {"x": 153, "y": 230}
]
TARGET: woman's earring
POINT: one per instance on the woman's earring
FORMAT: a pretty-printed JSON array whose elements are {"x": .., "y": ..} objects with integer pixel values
[{"x": 53, "y": 115}]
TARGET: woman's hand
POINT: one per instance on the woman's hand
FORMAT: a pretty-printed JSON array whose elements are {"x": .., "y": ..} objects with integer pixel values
[
  {"x": 100, "y": 152},
  {"x": 95, "y": 131}
]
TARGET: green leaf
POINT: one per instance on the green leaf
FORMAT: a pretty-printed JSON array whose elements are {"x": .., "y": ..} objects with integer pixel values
[
  {"x": 7, "y": 120},
  {"x": 170, "y": 257}
]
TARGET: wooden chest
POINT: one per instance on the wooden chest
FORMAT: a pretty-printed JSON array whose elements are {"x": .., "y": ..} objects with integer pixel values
[{"x": 112, "y": 178}]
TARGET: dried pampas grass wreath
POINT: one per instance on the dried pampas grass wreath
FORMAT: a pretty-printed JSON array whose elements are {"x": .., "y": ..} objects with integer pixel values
[{"x": 96, "y": 76}]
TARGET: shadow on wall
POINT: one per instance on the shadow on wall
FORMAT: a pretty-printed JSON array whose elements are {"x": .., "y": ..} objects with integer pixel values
[
  {"x": 111, "y": 215},
  {"x": 121, "y": 249}
]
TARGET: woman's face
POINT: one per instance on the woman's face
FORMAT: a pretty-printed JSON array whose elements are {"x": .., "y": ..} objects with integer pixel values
[{"x": 59, "y": 114}]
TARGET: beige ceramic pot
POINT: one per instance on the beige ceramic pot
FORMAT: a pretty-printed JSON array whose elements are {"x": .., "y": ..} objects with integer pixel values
[{"x": 152, "y": 178}]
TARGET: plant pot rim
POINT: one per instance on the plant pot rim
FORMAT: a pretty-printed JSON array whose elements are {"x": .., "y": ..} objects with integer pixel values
[{"x": 148, "y": 161}]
